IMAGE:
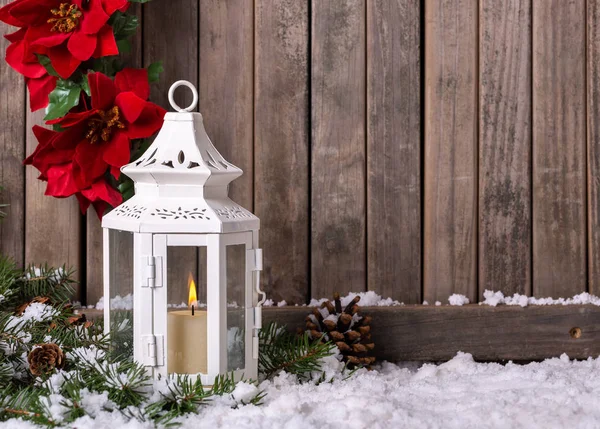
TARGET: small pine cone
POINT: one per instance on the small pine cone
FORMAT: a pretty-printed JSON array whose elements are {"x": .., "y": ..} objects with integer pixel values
[
  {"x": 351, "y": 336},
  {"x": 45, "y": 358}
]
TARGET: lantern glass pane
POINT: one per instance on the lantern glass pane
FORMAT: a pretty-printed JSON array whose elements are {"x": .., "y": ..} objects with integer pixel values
[
  {"x": 121, "y": 293},
  {"x": 236, "y": 281},
  {"x": 186, "y": 330}
]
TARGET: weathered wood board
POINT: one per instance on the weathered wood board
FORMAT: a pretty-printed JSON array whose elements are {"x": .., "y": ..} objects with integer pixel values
[
  {"x": 430, "y": 333},
  {"x": 559, "y": 148},
  {"x": 281, "y": 146},
  {"x": 593, "y": 144},
  {"x": 338, "y": 109},
  {"x": 94, "y": 286},
  {"x": 171, "y": 36},
  {"x": 394, "y": 149},
  {"x": 226, "y": 99},
  {"x": 53, "y": 227},
  {"x": 505, "y": 147},
  {"x": 412, "y": 148},
  {"x": 450, "y": 205},
  {"x": 12, "y": 152}
]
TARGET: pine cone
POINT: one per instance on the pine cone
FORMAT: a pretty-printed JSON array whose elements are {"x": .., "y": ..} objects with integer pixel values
[
  {"x": 350, "y": 332},
  {"x": 45, "y": 358}
]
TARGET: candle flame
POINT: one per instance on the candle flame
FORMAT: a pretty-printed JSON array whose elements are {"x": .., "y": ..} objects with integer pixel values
[{"x": 193, "y": 298}]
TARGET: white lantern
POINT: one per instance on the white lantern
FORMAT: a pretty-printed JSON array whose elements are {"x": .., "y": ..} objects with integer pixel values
[{"x": 181, "y": 212}]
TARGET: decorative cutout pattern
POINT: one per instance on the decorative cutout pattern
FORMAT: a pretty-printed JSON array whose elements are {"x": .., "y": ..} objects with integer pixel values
[
  {"x": 195, "y": 213},
  {"x": 234, "y": 212},
  {"x": 130, "y": 211}
]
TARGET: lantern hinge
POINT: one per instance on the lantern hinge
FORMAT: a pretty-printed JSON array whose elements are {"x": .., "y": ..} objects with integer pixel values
[
  {"x": 152, "y": 271},
  {"x": 153, "y": 350},
  {"x": 254, "y": 259}
]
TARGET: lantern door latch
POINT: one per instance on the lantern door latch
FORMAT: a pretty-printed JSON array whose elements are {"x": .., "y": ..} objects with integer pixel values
[
  {"x": 152, "y": 271},
  {"x": 153, "y": 350}
]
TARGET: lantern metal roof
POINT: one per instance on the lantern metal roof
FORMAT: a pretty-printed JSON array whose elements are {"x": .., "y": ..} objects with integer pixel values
[{"x": 181, "y": 182}]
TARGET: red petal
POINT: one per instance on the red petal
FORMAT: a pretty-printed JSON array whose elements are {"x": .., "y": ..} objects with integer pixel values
[
  {"x": 63, "y": 62},
  {"x": 39, "y": 90},
  {"x": 44, "y": 137},
  {"x": 70, "y": 138},
  {"x": 72, "y": 119},
  {"x": 28, "y": 11},
  {"x": 61, "y": 183},
  {"x": 135, "y": 80},
  {"x": 103, "y": 91},
  {"x": 107, "y": 45},
  {"x": 6, "y": 16},
  {"x": 84, "y": 203},
  {"x": 44, "y": 36},
  {"x": 89, "y": 165},
  {"x": 102, "y": 191},
  {"x": 116, "y": 172},
  {"x": 130, "y": 105},
  {"x": 94, "y": 17},
  {"x": 81, "y": 45},
  {"x": 117, "y": 151},
  {"x": 15, "y": 57},
  {"x": 17, "y": 36},
  {"x": 149, "y": 122},
  {"x": 111, "y": 6}
]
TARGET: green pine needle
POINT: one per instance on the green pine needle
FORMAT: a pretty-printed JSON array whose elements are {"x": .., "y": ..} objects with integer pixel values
[{"x": 281, "y": 350}]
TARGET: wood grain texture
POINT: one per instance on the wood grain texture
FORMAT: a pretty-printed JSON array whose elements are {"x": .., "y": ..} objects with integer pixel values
[
  {"x": 171, "y": 36},
  {"x": 559, "y": 141},
  {"x": 505, "y": 147},
  {"x": 12, "y": 153},
  {"x": 93, "y": 261},
  {"x": 394, "y": 149},
  {"x": 430, "y": 333},
  {"x": 450, "y": 220},
  {"x": 282, "y": 146},
  {"x": 52, "y": 225},
  {"x": 227, "y": 97},
  {"x": 593, "y": 144},
  {"x": 338, "y": 108}
]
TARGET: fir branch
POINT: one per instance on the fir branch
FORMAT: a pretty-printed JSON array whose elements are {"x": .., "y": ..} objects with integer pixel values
[{"x": 295, "y": 354}]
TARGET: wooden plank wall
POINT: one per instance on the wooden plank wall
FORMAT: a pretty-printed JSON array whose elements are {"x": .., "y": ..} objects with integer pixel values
[{"x": 416, "y": 148}]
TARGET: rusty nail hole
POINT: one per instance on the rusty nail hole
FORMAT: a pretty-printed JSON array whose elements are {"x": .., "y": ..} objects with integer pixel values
[{"x": 575, "y": 332}]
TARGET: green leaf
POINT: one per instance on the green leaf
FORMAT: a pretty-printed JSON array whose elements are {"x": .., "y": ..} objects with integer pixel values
[
  {"x": 123, "y": 25},
  {"x": 85, "y": 85},
  {"x": 154, "y": 70},
  {"x": 45, "y": 61},
  {"x": 64, "y": 97},
  {"x": 124, "y": 46},
  {"x": 107, "y": 65}
]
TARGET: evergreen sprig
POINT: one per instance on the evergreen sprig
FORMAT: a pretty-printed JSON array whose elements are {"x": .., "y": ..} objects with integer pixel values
[
  {"x": 281, "y": 350},
  {"x": 99, "y": 364}
]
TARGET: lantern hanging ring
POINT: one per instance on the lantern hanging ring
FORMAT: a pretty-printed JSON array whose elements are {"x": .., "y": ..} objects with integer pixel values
[{"x": 191, "y": 86}]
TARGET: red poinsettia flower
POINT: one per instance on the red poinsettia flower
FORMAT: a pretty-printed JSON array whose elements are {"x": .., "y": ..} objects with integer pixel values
[
  {"x": 39, "y": 82},
  {"x": 68, "y": 32},
  {"x": 97, "y": 141}
]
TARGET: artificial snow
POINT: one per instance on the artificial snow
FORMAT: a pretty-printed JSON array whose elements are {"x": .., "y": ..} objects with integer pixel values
[
  {"x": 118, "y": 303},
  {"x": 495, "y": 298},
  {"x": 461, "y": 393},
  {"x": 367, "y": 299},
  {"x": 458, "y": 299}
]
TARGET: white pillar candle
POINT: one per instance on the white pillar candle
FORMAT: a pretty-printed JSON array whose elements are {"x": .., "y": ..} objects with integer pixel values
[{"x": 186, "y": 348}]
